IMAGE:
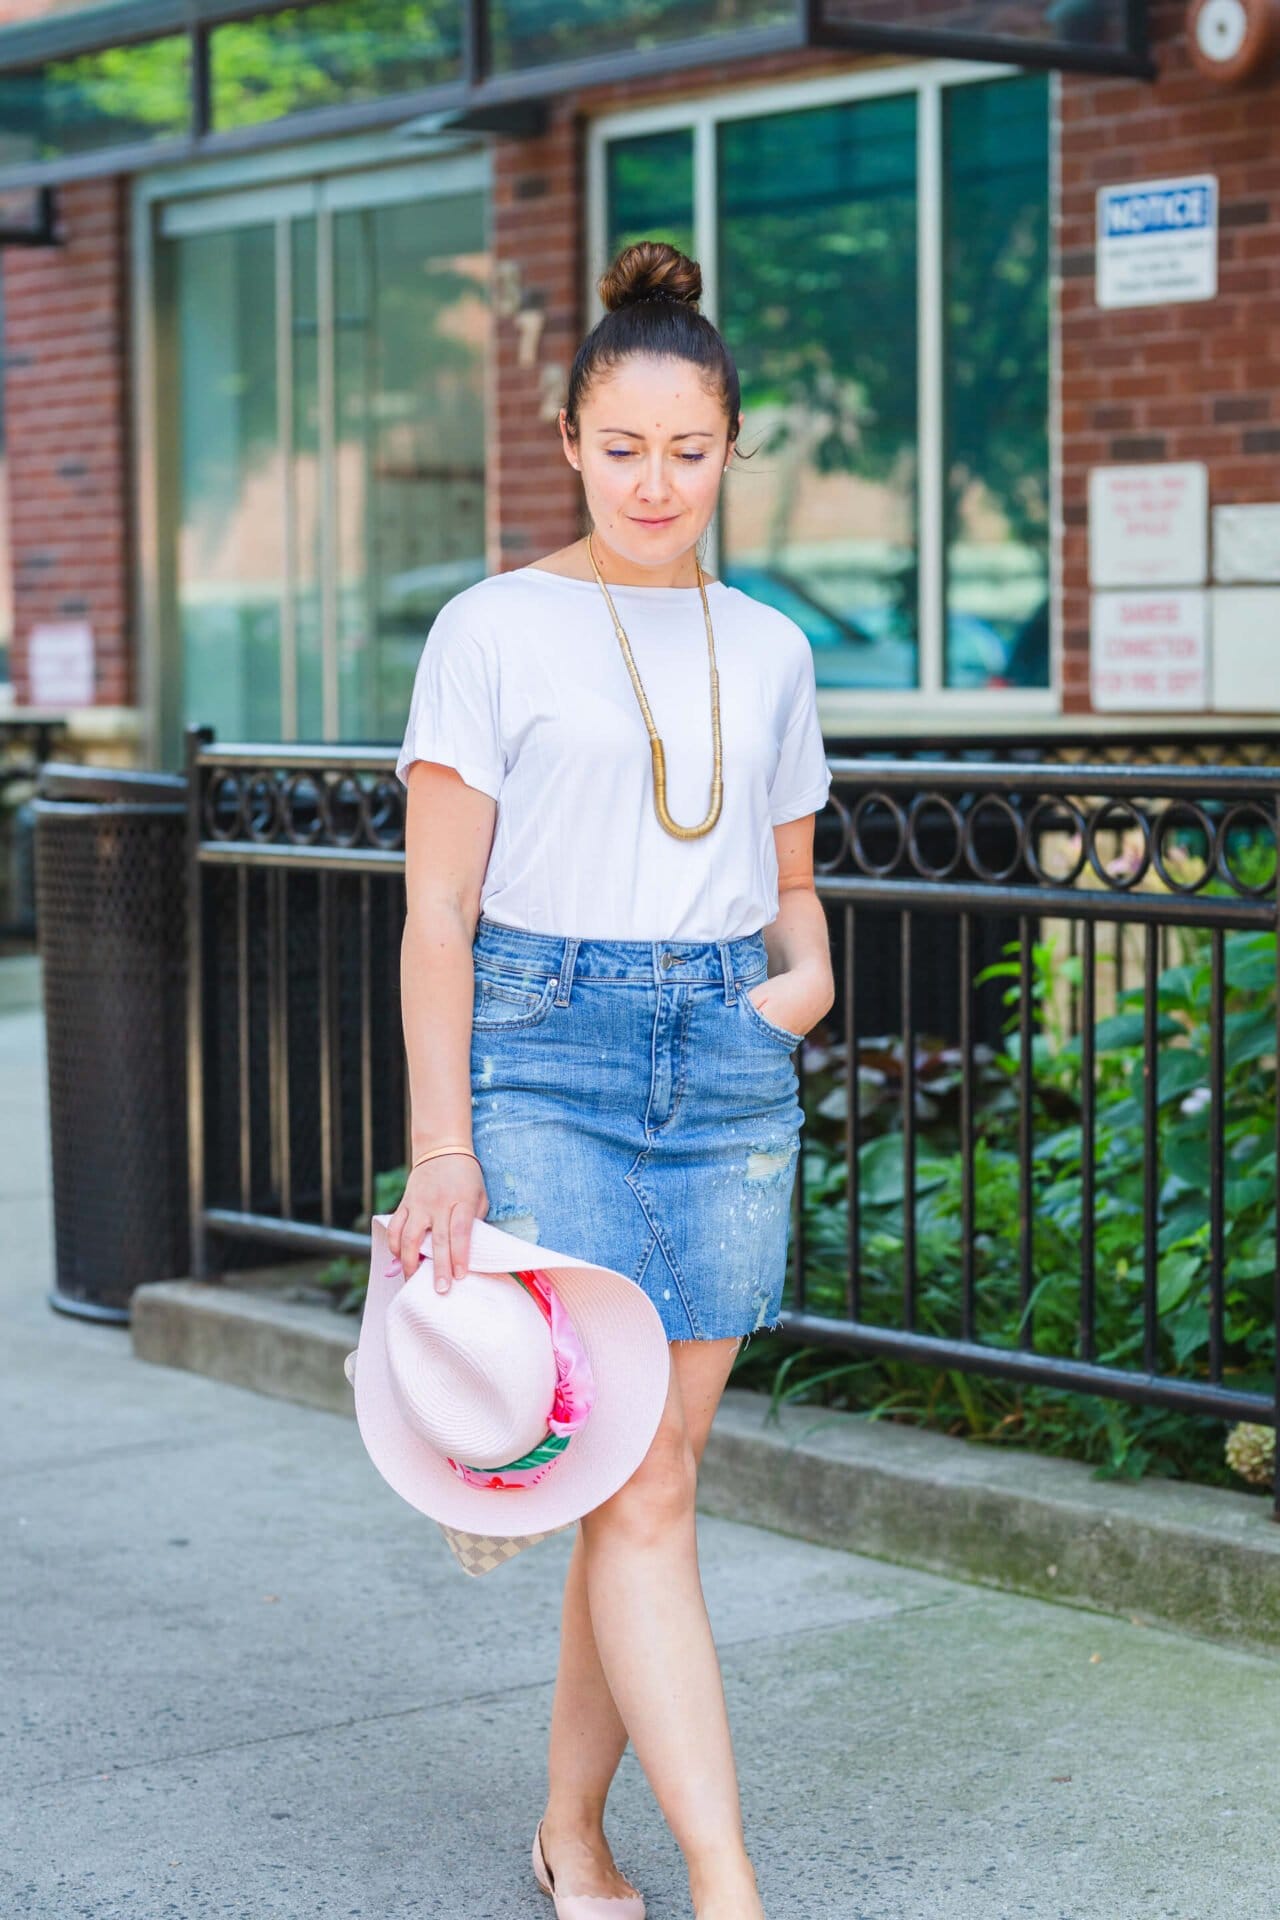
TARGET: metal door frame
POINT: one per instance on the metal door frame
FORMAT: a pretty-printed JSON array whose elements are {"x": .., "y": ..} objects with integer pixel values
[{"x": 321, "y": 181}]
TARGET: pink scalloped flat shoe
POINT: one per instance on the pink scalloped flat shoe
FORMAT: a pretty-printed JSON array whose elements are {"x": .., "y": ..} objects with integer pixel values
[{"x": 584, "y": 1906}]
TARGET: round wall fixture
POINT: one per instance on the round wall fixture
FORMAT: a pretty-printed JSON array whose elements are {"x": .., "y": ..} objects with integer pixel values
[{"x": 1233, "y": 40}]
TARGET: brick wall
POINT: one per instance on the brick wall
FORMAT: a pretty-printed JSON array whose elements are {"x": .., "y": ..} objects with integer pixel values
[
  {"x": 66, "y": 413},
  {"x": 1195, "y": 381}
]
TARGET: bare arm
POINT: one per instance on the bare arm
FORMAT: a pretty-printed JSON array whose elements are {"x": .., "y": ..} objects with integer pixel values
[
  {"x": 448, "y": 835},
  {"x": 800, "y": 987}
]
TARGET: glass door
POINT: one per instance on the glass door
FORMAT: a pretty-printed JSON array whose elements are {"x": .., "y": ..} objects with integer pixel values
[{"x": 323, "y": 364}]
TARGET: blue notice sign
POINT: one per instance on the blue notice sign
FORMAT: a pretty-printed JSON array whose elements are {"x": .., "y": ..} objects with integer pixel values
[{"x": 1157, "y": 241}]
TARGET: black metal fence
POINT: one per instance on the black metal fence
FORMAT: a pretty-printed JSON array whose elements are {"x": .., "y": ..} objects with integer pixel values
[{"x": 1045, "y": 1098}]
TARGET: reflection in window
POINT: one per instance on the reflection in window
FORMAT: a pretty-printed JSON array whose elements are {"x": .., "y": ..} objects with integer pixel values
[
  {"x": 411, "y": 339},
  {"x": 122, "y": 96},
  {"x": 817, "y": 279},
  {"x": 1083, "y": 23},
  {"x": 230, "y": 559},
  {"x": 533, "y": 33},
  {"x": 351, "y": 50},
  {"x": 649, "y": 190},
  {"x": 997, "y": 383},
  {"x": 6, "y": 565}
]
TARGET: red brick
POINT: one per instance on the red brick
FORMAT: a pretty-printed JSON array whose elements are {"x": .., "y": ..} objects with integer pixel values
[{"x": 66, "y": 400}]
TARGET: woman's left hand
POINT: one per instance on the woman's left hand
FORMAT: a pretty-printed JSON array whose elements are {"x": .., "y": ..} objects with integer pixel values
[{"x": 795, "y": 999}]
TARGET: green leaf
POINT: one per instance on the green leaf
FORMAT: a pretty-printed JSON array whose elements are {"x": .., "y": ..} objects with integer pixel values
[
  {"x": 1185, "y": 986},
  {"x": 1127, "y": 1030},
  {"x": 1178, "y": 1070},
  {"x": 1251, "y": 961},
  {"x": 1176, "y": 1275},
  {"x": 1187, "y": 1154},
  {"x": 882, "y": 1171},
  {"x": 1239, "y": 1195},
  {"x": 1118, "y": 1030},
  {"x": 1249, "y": 1036},
  {"x": 1190, "y": 1333}
]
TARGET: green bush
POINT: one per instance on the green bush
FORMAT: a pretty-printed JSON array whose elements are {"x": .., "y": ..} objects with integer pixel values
[{"x": 1116, "y": 1437}]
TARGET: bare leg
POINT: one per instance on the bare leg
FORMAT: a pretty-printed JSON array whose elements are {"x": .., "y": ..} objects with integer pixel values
[{"x": 588, "y": 1736}]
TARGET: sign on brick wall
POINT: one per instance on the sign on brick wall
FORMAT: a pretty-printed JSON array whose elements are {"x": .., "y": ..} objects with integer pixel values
[
  {"x": 60, "y": 664},
  {"x": 1149, "y": 526},
  {"x": 1157, "y": 241},
  {"x": 1148, "y": 652}
]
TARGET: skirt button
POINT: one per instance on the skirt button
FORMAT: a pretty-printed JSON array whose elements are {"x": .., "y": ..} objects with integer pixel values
[{"x": 666, "y": 960}]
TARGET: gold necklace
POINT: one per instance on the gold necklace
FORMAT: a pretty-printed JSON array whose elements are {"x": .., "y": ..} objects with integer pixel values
[{"x": 656, "y": 752}]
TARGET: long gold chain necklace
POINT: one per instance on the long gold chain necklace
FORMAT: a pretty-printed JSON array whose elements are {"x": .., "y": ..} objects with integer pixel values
[{"x": 656, "y": 751}]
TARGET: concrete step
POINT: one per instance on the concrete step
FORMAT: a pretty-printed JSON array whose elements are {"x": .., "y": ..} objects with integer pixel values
[{"x": 1162, "y": 1553}]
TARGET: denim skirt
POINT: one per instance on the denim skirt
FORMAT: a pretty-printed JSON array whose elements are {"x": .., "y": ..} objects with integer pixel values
[{"x": 631, "y": 1105}]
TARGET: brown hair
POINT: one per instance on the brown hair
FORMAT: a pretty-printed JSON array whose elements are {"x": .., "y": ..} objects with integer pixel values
[{"x": 652, "y": 291}]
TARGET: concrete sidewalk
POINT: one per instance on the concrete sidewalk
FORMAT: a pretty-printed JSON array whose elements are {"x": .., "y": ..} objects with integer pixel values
[{"x": 244, "y": 1680}]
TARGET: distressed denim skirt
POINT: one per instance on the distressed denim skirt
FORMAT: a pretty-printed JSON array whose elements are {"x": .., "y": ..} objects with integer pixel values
[{"x": 630, "y": 1104}]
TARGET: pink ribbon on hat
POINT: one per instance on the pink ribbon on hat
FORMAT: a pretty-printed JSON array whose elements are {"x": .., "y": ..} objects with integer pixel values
[{"x": 575, "y": 1393}]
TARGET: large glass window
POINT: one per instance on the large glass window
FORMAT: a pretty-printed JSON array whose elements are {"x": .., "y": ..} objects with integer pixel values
[
  {"x": 345, "y": 50},
  {"x": 895, "y": 503},
  {"x": 817, "y": 276},
  {"x": 997, "y": 383},
  {"x": 534, "y": 33},
  {"x": 121, "y": 97},
  {"x": 323, "y": 434},
  {"x": 650, "y": 190}
]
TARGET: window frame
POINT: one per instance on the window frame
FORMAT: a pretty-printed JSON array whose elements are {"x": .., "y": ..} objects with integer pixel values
[{"x": 851, "y": 709}]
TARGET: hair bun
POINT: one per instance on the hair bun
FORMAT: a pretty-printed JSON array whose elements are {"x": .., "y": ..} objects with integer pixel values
[{"x": 648, "y": 270}]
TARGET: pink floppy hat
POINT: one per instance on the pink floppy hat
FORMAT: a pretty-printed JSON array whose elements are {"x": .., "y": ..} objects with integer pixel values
[{"x": 518, "y": 1400}]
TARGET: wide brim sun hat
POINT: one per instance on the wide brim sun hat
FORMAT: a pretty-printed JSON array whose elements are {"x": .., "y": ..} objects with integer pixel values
[{"x": 450, "y": 1386}]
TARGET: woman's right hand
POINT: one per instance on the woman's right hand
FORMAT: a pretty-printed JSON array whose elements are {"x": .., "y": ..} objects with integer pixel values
[{"x": 443, "y": 1197}]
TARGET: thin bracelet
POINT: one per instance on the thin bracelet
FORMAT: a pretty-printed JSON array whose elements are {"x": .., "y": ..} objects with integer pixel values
[{"x": 450, "y": 1147}]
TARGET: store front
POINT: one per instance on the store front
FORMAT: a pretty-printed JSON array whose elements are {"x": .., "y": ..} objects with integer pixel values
[
  {"x": 319, "y": 356},
  {"x": 293, "y": 319}
]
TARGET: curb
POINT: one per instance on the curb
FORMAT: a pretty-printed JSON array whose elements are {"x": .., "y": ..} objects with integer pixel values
[
  {"x": 286, "y": 1348},
  {"x": 1163, "y": 1553}
]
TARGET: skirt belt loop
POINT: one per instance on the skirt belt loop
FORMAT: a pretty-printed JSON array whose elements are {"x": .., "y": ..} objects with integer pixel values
[
  {"x": 567, "y": 961},
  {"x": 726, "y": 964}
]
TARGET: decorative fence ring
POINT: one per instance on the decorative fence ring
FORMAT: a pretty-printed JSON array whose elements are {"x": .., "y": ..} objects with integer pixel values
[
  {"x": 342, "y": 795},
  {"x": 218, "y": 785},
  {"x": 1030, "y": 853},
  {"x": 856, "y": 849},
  {"x": 918, "y": 861},
  {"x": 1223, "y": 866},
  {"x": 1101, "y": 822},
  {"x": 292, "y": 788},
  {"x": 1160, "y": 827},
  {"x": 844, "y": 838},
  {"x": 265, "y": 787},
  {"x": 384, "y": 809},
  {"x": 994, "y": 876}
]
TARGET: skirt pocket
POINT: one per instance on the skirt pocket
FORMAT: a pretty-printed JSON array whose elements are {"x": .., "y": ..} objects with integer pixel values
[
  {"x": 504, "y": 999},
  {"x": 782, "y": 1035}
]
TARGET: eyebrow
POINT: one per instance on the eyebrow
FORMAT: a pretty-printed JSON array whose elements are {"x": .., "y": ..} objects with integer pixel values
[{"x": 694, "y": 433}]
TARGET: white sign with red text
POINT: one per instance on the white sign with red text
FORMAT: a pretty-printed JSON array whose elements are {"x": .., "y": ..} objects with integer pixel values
[
  {"x": 1149, "y": 652},
  {"x": 1149, "y": 526}
]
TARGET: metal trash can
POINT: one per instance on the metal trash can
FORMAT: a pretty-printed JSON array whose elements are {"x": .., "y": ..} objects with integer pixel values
[{"x": 111, "y": 918}]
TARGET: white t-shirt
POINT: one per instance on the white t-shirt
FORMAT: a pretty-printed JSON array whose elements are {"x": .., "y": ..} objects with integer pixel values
[{"x": 522, "y": 688}]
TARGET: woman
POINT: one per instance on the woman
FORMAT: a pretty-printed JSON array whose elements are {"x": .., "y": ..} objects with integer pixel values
[{"x": 608, "y": 962}]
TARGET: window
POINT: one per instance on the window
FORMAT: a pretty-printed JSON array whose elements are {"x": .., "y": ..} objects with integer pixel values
[
  {"x": 88, "y": 102},
  {"x": 6, "y": 568},
  {"x": 875, "y": 251}
]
